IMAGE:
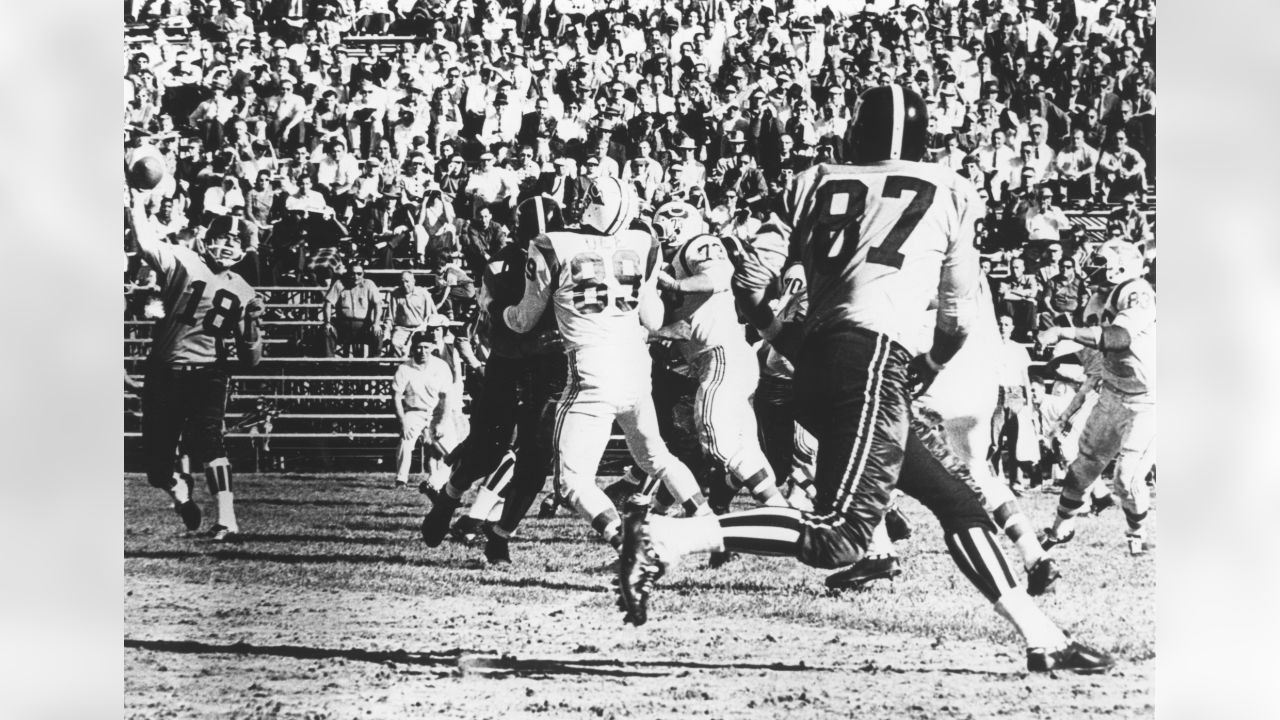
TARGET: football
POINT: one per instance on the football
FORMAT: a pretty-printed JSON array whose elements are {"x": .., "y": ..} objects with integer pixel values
[{"x": 145, "y": 172}]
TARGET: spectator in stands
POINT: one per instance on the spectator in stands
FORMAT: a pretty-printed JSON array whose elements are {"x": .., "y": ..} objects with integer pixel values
[
  {"x": 1121, "y": 170},
  {"x": 408, "y": 308},
  {"x": 1063, "y": 297},
  {"x": 1018, "y": 295},
  {"x": 493, "y": 187},
  {"x": 1044, "y": 221},
  {"x": 307, "y": 199},
  {"x": 481, "y": 239},
  {"x": 352, "y": 308},
  {"x": 1133, "y": 222},
  {"x": 1075, "y": 165}
]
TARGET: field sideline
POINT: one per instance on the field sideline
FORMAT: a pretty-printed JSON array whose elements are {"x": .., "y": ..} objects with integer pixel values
[{"x": 332, "y": 607}]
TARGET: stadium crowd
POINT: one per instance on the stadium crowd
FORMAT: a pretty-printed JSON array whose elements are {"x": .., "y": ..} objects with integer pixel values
[{"x": 400, "y": 134}]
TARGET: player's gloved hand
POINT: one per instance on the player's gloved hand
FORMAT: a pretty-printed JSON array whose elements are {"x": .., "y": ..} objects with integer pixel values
[{"x": 921, "y": 372}]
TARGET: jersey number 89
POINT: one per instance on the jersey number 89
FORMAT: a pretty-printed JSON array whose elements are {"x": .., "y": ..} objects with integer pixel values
[{"x": 590, "y": 281}]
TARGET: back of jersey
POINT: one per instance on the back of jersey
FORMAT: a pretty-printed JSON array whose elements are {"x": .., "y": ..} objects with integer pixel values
[
  {"x": 879, "y": 242},
  {"x": 712, "y": 316},
  {"x": 596, "y": 281}
]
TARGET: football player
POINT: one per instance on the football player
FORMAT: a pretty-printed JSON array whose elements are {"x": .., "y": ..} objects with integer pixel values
[
  {"x": 724, "y": 364},
  {"x": 880, "y": 240},
  {"x": 524, "y": 374},
  {"x": 601, "y": 281},
  {"x": 1122, "y": 425},
  {"x": 211, "y": 324},
  {"x": 953, "y": 419}
]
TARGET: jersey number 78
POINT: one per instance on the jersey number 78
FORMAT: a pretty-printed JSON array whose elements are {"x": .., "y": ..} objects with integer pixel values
[{"x": 836, "y": 226}]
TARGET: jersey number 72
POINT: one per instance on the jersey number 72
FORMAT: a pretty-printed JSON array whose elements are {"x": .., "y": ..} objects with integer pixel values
[{"x": 836, "y": 226}]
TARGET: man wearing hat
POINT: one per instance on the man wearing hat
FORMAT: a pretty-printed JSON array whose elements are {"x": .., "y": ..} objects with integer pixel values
[
  {"x": 501, "y": 123},
  {"x": 725, "y": 173}
]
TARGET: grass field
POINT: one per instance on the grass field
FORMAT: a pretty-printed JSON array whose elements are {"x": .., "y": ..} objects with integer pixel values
[{"x": 332, "y": 607}]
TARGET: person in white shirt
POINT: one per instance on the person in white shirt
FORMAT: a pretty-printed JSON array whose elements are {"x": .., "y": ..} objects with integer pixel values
[
  {"x": 1045, "y": 221},
  {"x": 1075, "y": 167},
  {"x": 419, "y": 391}
]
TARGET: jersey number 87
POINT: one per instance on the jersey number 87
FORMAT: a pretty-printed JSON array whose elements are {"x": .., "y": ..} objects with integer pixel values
[{"x": 841, "y": 203}]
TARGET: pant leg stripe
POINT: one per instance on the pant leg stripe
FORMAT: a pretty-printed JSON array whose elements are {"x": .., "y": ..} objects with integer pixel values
[
  {"x": 716, "y": 362},
  {"x": 866, "y": 433},
  {"x": 775, "y": 517},
  {"x": 966, "y": 565},
  {"x": 562, "y": 412}
]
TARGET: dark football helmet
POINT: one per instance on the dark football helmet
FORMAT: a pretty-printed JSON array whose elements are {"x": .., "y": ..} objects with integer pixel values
[
  {"x": 890, "y": 122},
  {"x": 535, "y": 216}
]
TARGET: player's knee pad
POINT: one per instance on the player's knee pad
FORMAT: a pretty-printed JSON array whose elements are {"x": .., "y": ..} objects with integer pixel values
[{"x": 217, "y": 473}]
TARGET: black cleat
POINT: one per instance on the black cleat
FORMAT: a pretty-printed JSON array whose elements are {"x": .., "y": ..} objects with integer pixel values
[
  {"x": 1048, "y": 539},
  {"x": 720, "y": 558},
  {"x": 1042, "y": 576},
  {"x": 425, "y": 488},
  {"x": 640, "y": 566},
  {"x": 863, "y": 572},
  {"x": 189, "y": 511},
  {"x": 496, "y": 547},
  {"x": 223, "y": 534},
  {"x": 436, "y": 523},
  {"x": 620, "y": 491},
  {"x": 897, "y": 525},
  {"x": 467, "y": 529},
  {"x": 1098, "y": 504},
  {"x": 548, "y": 508},
  {"x": 1074, "y": 657}
]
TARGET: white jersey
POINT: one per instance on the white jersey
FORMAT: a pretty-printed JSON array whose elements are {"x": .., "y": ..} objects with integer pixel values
[
  {"x": 595, "y": 283},
  {"x": 711, "y": 317},
  {"x": 880, "y": 242},
  {"x": 969, "y": 385},
  {"x": 203, "y": 309},
  {"x": 1132, "y": 306}
]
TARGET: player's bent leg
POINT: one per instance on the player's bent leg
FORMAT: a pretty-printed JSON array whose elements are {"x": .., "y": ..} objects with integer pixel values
[
  {"x": 639, "y": 425},
  {"x": 725, "y": 421},
  {"x": 1133, "y": 462},
  {"x": 1100, "y": 442},
  {"x": 580, "y": 436},
  {"x": 493, "y": 417}
]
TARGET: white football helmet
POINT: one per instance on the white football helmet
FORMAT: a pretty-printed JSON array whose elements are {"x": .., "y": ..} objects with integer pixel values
[
  {"x": 611, "y": 206},
  {"x": 1114, "y": 262},
  {"x": 676, "y": 222}
]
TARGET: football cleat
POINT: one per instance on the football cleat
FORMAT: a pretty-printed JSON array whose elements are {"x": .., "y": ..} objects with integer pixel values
[
  {"x": 719, "y": 558},
  {"x": 436, "y": 524},
  {"x": 1098, "y": 504},
  {"x": 897, "y": 525},
  {"x": 863, "y": 572},
  {"x": 1049, "y": 539},
  {"x": 425, "y": 488},
  {"x": 548, "y": 508},
  {"x": 1074, "y": 657},
  {"x": 620, "y": 491},
  {"x": 1041, "y": 577},
  {"x": 1137, "y": 544},
  {"x": 640, "y": 566},
  {"x": 467, "y": 529},
  {"x": 222, "y": 533},
  {"x": 189, "y": 511},
  {"x": 497, "y": 549}
]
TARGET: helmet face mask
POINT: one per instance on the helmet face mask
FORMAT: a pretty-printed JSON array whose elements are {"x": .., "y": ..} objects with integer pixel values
[
  {"x": 223, "y": 251},
  {"x": 889, "y": 122},
  {"x": 674, "y": 223},
  {"x": 1115, "y": 262}
]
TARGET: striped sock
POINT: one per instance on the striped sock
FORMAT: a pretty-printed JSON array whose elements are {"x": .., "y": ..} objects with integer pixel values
[
  {"x": 975, "y": 552},
  {"x": 1018, "y": 529},
  {"x": 762, "y": 531}
]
